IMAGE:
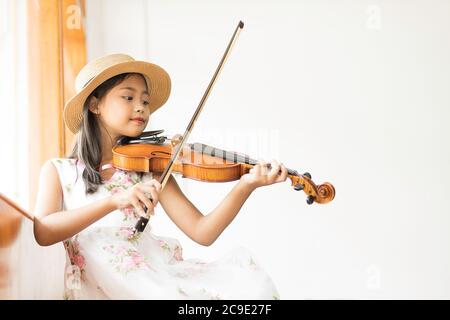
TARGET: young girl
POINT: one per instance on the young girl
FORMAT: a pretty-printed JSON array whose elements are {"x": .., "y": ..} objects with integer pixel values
[{"x": 93, "y": 208}]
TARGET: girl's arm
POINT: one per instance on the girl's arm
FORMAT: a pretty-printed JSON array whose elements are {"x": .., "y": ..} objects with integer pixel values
[
  {"x": 206, "y": 229},
  {"x": 52, "y": 225}
]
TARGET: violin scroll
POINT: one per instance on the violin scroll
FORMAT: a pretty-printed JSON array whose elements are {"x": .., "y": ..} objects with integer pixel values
[{"x": 322, "y": 194}]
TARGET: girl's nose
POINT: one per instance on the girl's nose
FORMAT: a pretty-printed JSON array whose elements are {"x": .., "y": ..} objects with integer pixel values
[{"x": 139, "y": 107}]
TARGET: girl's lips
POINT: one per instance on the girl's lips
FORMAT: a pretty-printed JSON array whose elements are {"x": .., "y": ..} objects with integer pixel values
[{"x": 138, "y": 121}]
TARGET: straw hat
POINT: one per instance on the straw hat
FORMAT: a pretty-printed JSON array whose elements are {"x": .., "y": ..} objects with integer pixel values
[{"x": 96, "y": 72}]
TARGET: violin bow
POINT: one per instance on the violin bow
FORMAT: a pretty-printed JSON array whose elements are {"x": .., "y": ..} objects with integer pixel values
[{"x": 141, "y": 224}]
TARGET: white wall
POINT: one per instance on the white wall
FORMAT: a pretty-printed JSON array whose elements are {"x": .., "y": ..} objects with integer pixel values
[{"x": 355, "y": 92}]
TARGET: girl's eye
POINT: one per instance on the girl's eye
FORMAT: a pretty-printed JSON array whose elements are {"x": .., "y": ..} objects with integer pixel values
[
  {"x": 146, "y": 103},
  {"x": 128, "y": 98}
]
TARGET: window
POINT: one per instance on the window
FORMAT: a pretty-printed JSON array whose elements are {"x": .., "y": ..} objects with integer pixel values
[{"x": 14, "y": 105}]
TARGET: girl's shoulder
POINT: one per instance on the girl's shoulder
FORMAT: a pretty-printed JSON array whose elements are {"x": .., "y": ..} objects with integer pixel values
[
  {"x": 66, "y": 162},
  {"x": 67, "y": 167}
]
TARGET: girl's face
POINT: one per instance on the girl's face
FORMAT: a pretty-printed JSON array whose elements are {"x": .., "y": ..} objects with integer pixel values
[{"x": 123, "y": 103}]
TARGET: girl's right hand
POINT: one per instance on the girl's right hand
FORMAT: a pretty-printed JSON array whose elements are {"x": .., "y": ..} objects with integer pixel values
[{"x": 138, "y": 196}]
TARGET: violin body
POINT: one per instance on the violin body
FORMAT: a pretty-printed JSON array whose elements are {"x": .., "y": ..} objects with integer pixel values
[{"x": 190, "y": 164}]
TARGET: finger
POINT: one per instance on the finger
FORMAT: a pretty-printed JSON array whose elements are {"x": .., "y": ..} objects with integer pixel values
[
  {"x": 284, "y": 173},
  {"x": 137, "y": 206},
  {"x": 150, "y": 208},
  {"x": 275, "y": 168},
  {"x": 274, "y": 165},
  {"x": 257, "y": 168},
  {"x": 151, "y": 191},
  {"x": 144, "y": 199},
  {"x": 155, "y": 195},
  {"x": 152, "y": 183},
  {"x": 264, "y": 170},
  {"x": 156, "y": 183}
]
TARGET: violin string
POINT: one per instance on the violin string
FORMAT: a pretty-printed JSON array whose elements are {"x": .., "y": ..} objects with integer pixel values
[{"x": 230, "y": 156}]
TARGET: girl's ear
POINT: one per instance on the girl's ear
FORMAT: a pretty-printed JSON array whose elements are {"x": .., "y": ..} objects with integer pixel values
[{"x": 93, "y": 105}]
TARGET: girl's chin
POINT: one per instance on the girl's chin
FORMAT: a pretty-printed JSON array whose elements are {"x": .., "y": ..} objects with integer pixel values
[{"x": 134, "y": 132}]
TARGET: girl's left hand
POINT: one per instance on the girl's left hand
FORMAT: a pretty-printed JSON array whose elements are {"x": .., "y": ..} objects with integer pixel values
[{"x": 260, "y": 175}]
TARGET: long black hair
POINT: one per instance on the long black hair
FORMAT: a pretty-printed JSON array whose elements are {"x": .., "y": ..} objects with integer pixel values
[{"x": 88, "y": 146}]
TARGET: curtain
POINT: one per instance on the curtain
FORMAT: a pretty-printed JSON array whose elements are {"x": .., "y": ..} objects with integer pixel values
[{"x": 34, "y": 272}]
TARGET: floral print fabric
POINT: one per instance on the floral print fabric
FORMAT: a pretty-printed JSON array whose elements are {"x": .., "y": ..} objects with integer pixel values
[{"x": 108, "y": 260}]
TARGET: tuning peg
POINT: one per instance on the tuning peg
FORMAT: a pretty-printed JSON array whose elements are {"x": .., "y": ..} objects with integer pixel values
[
  {"x": 307, "y": 174},
  {"x": 299, "y": 187},
  {"x": 310, "y": 199}
]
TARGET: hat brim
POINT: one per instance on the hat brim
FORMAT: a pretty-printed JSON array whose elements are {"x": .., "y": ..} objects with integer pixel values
[{"x": 158, "y": 81}]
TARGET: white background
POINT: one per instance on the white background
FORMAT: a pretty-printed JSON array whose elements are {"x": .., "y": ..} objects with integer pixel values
[{"x": 355, "y": 92}]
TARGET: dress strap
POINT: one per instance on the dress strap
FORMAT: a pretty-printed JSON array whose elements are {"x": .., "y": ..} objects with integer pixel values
[{"x": 106, "y": 166}]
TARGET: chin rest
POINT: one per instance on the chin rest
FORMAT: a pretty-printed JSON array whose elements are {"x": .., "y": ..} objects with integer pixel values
[{"x": 145, "y": 137}]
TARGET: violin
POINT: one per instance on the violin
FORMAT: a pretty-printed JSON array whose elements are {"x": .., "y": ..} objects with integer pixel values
[{"x": 150, "y": 152}]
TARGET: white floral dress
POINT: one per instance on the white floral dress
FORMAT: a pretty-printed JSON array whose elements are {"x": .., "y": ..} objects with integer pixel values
[{"x": 105, "y": 260}]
